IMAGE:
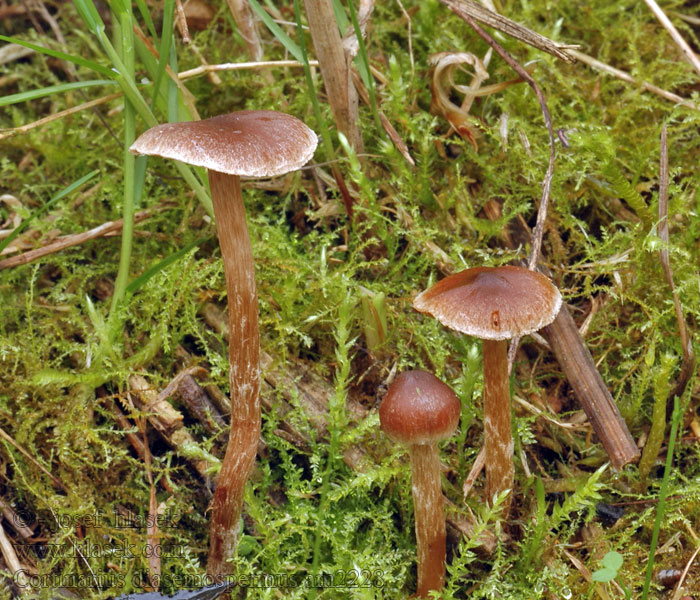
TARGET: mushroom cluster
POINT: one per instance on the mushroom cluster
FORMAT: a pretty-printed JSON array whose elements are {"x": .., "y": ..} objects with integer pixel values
[
  {"x": 494, "y": 304},
  {"x": 248, "y": 143}
]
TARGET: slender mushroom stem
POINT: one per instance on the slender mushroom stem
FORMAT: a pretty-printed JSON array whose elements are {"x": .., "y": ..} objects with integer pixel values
[
  {"x": 244, "y": 369},
  {"x": 430, "y": 517},
  {"x": 498, "y": 437}
]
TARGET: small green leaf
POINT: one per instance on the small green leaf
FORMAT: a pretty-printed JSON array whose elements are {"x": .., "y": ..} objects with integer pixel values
[
  {"x": 612, "y": 560},
  {"x": 604, "y": 575}
]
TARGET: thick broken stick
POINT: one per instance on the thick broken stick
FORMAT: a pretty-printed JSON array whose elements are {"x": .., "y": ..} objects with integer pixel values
[{"x": 581, "y": 373}]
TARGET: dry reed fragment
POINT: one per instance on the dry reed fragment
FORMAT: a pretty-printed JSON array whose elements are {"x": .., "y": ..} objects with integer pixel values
[
  {"x": 490, "y": 18},
  {"x": 686, "y": 343},
  {"x": 625, "y": 76},
  {"x": 675, "y": 35},
  {"x": 68, "y": 241},
  {"x": 335, "y": 69}
]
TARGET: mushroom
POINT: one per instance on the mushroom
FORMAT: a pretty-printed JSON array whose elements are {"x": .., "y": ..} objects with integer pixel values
[
  {"x": 494, "y": 304},
  {"x": 419, "y": 411},
  {"x": 250, "y": 144}
]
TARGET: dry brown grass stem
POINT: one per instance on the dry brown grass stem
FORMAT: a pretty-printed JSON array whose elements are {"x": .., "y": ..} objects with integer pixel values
[
  {"x": 334, "y": 64},
  {"x": 68, "y": 241},
  {"x": 686, "y": 343},
  {"x": 491, "y": 18},
  {"x": 10, "y": 440},
  {"x": 547, "y": 183},
  {"x": 181, "y": 20},
  {"x": 675, "y": 35},
  {"x": 243, "y": 16},
  {"x": 13, "y": 565},
  {"x": 679, "y": 586},
  {"x": 625, "y": 76},
  {"x": 264, "y": 64},
  {"x": 6, "y": 133}
]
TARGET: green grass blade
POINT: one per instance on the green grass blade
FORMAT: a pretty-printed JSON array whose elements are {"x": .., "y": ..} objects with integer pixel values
[
  {"x": 127, "y": 55},
  {"x": 165, "y": 45},
  {"x": 663, "y": 492},
  {"x": 52, "y": 89},
  {"x": 340, "y": 17},
  {"x": 38, "y": 213},
  {"x": 275, "y": 29},
  {"x": 88, "y": 13},
  {"x": 146, "y": 16},
  {"x": 77, "y": 60}
]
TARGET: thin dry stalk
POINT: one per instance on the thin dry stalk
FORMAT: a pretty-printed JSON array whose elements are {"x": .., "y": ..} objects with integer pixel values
[
  {"x": 350, "y": 41},
  {"x": 386, "y": 124},
  {"x": 181, "y": 20},
  {"x": 688, "y": 353},
  {"x": 4, "y": 134},
  {"x": 68, "y": 241},
  {"x": 265, "y": 64},
  {"x": 243, "y": 16},
  {"x": 547, "y": 183},
  {"x": 675, "y": 35},
  {"x": 679, "y": 586},
  {"x": 9, "y": 439},
  {"x": 625, "y": 76},
  {"x": 165, "y": 420},
  {"x": 14, "y": 566},
  {"x": 477, "y": 12},
  {"x": 475, "y": 471},
  {"x": 335, "y": 69}
]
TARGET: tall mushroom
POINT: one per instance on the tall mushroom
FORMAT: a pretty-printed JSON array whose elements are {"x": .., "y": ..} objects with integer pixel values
[
  {"x": 249, "y": 144},
  {"x": 494, "y": 304},
  {"x": 418, "y": 411}
]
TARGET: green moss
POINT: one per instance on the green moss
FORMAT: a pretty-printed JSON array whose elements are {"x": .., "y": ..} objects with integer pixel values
[{"x": 62, "y": 369}]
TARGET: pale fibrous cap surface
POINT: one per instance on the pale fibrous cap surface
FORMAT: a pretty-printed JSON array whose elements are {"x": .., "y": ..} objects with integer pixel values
[
  {"x": 494, "y": 303},
  {"x": 248, "y": 143},
  {"x": 418, "y": 408}
]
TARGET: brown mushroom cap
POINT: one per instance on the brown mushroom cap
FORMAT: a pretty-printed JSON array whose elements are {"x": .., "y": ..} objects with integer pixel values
[
  {"x": 494, "y": 303},
  {"x": 249, "y": 143},
  {"x": 419, "y": 409}
]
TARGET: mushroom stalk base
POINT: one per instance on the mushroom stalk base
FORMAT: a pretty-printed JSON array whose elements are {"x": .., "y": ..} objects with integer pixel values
[
  {"x": 430, "y": 517},
  {"x": 244, "y": 371},
  {"x": 498, "y": 437}
]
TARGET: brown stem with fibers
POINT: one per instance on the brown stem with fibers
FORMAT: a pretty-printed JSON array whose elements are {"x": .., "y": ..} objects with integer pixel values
[
  {"x": 244, "y": 370},
  {"x": 335, "y": 69},
  {"x": 430, "y": 517},
  {"x": 498, "y": 437}
]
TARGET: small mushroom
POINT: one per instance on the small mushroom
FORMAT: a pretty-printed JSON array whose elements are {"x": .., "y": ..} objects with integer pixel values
[
  {"x": 419, "y": 411},
  {"x": 494, "y": 304},
  {"x": 249, "y": 143}
]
